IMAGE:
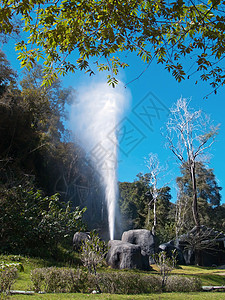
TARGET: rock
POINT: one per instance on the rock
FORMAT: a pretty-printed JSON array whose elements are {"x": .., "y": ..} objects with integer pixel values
[
  {"x": 211, "y": 245},
  {"x": 142, "y": 237},
  {"x": 169, "y": 247},
  {"x": 123, "y": 255},
  {"x": 78, "y": 239}
]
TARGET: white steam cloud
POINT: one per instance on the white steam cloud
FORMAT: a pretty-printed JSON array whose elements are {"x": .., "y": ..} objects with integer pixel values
[{"x": 95, "y": 115}]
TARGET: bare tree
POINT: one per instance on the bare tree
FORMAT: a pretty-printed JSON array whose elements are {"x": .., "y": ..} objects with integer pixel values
[
  {"x": 189, "y": 134},
  {"x": 154, "y": 167}
]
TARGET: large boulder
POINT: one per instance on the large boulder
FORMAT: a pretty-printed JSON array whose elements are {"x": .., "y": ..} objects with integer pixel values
[
  {"x": 142, "y": 237},
  {"x": 169, "y": 248},
  {"x": 78, "y": 239},
  {"x": 123, "y": 255}
]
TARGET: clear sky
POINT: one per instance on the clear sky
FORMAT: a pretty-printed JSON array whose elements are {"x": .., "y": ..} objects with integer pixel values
[{"x": 160, "y": 88}]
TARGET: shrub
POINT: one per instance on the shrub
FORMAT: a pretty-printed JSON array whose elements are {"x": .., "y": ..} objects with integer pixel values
[
  {"x": 42, "y": 224},
  {"x": 62, "y": 280},
  {"x": 59, "y": 280},
  {"x": 8, "y": 275},
  {"x": 122, "y": 283},
  {"x": 93, "y": 252},
  {"x": 165, "y": 264},
  {"x": 183, "y": 284}
]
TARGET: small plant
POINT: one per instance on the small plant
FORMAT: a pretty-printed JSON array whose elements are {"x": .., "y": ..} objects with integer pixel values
[
  {"x": 93, "y": 252},
  {"x": 165, "y": 264}
]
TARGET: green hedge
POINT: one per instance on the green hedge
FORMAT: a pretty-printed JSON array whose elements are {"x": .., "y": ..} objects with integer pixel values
[{"x": 65, "y": 280}]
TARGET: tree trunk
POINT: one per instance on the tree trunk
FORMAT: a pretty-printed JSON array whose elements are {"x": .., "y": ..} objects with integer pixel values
[
  {"x": 154, "y": 221},
  {"x": 194, "y": 200},
  {"x": 198, "y": 258}
]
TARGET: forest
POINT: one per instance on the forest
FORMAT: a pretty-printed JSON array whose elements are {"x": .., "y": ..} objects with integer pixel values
[
  {"x": 45, "y": 180},
  {"x": 161, "y": 245},
  {"x": 49, "y": 188}
]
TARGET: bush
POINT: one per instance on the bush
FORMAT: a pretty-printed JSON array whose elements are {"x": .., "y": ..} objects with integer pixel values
[
  {"x": 42, "y": 224},
  {"x": 62, "y": 280},
  {"x": 59, "y": 280},
  {"x": 122, "y": 283},
  {"x": 8, "y": 275},
  {"x": 183, "y": 284}
]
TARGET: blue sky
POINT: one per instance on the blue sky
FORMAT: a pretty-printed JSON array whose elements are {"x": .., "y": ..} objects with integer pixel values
[{"x": 160, "y": 88}]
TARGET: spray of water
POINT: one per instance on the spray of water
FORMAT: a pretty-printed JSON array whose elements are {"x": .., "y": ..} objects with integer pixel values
[{"x": 95, "y": 115}]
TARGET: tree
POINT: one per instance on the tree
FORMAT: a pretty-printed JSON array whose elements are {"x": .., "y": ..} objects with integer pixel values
[
  {"x": 208, "y": 194},
  {"x": 35, "y": 148},
  {"x": 7, "y": 75},
  {"x": 155, "y": 169},
  {"x": 136, "y": 202},
  {"x": 96, "y": 32},
  {"x": 189, "y": 135},
  {"x": 33, "y": 224},
  {"x": 45, "y": 104}
]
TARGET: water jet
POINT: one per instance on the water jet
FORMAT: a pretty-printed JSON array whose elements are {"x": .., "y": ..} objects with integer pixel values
[{"x": 95, "y": 114}]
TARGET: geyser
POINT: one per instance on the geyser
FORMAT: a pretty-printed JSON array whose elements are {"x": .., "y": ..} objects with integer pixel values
[{"x": 95, "y": 114}]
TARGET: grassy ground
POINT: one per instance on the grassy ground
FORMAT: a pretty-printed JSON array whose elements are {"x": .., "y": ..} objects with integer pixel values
[
  {"x": 209, "y": 276},
  {"x": 165, "y": 296}
]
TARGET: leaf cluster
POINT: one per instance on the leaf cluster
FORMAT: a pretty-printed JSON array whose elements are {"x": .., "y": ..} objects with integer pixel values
[
  {"x": 33, "y": 224},
  {"x": 99, "y": 30}
]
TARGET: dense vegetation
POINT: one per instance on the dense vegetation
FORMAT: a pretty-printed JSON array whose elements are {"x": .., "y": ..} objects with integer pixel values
[
  {"x": 50, "y": 276},
  {"x": 45, "y": 177},
  {"x": 42, "y": 173},
  {"x": 172, "y": 218}
]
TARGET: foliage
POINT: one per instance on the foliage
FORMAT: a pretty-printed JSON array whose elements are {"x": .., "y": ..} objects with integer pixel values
[
  {"x": 208, "y": 276},
  {"x": 59, "y": 280},
  {"x": 62, "y": 280},
  {"x": 183, "y": 284},
  {"x": 33, "y": 224},
  {"x": 93, "y": 252},
  {"x": 7, "y": 75},
  {"x": 35, "y": 148},
  {"x": 190, "y": 134},
  {"x": 163, "y": 30},
  {"x": 125, "y": 283},
  {"x": 208, "y": 193},
  {"x": 8, "y": 275},
  {"x": 134, "y": 201}
]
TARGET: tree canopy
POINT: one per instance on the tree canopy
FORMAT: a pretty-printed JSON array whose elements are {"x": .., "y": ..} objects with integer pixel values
[
  {"x": 208, "y": 194},
  {"x": 40, "y": 168},
  {"x": 136, "y": 206},
  {"x": 71, "y": 35}
]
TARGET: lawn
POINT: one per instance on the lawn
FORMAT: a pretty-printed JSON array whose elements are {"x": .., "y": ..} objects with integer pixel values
[{"x": 165, "y": 296}]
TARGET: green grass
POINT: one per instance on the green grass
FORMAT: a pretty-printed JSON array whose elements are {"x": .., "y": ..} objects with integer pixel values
[
  {"x": 165, "y": 296},
  {"x": 209, "y": 276}
]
